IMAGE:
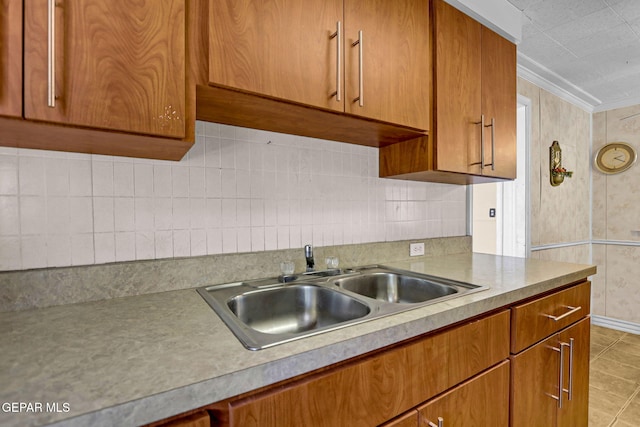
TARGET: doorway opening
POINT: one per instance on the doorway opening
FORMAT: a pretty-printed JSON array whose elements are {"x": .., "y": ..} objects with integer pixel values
[{"x": 500, "y": 211}]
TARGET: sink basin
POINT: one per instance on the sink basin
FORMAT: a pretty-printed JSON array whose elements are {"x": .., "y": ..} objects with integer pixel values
[
  {"x": 395, "y": 287},
  {"x": 295, "y": 309},
  {"x": 263, "y": 313}
]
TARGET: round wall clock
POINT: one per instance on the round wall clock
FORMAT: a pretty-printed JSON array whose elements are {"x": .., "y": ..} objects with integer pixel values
[{"x": 615, "y": 157}]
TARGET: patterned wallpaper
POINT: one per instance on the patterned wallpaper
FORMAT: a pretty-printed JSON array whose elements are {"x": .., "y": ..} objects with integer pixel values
[
  {"x": 616, "y": 220},
  {"x": 558, "y": 214}
]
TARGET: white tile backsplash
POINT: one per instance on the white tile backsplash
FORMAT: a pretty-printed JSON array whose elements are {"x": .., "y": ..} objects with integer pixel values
[{"x": 237, "y": 190}]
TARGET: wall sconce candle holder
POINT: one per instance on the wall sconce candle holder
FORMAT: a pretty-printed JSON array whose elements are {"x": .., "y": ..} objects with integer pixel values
[{"x": 557, "y": 172}]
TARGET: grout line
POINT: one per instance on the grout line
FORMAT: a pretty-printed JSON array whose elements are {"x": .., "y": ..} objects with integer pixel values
[
  {"x": 624, "y": 406},
  {"x": 608, "y": 347}
]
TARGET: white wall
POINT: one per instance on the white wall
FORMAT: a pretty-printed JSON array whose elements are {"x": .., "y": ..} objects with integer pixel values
[
  {"x": 484, "y": 226},
  {"x": 237, "y": 190}
]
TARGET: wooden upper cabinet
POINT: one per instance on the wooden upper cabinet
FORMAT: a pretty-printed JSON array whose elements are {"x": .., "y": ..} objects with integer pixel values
[
  {"x": 475, "y": 96},
  {"x": 309, "y": 53},
  {"x": 279, "y": 48},
  {"x": 388, "y": 72},
  {"x": 458, "y": 94},
  {"x": 499, "y": 101},
  {"x": 116, "y": 65},
  {"x": 473, "y": 135},
  {"x": 11, "y": 58}
]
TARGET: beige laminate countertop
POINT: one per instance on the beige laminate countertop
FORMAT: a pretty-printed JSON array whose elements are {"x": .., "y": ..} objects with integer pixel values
[{"x": 134, "y": 360}]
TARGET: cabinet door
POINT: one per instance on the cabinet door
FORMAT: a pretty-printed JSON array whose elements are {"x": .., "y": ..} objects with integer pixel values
[
  {"x": 11, "y": 58},
  {"x": 278, "y": 48},
  {"x": 457, "y": 74},
  {"x": 481, "y": 401},
  {"x": 499, "y": 98},
  {"x": 535, "y": 382},
  {"x": 116, "y": 64},
  {"x": 535, "y": 387},
  {"x": 575, "y": 412},
  {"x": 393, "y": 81}
]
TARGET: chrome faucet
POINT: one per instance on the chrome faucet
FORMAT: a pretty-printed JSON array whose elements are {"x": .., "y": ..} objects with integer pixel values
[{"x": 308, "y": 254}]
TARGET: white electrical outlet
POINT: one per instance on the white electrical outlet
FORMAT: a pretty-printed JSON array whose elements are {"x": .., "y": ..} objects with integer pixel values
[{"x": 416, "y": 249}]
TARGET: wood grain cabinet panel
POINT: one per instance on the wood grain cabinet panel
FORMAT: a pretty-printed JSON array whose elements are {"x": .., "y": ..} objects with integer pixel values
[
  {"x": 394, "y": 74},
  {"x": 279, "y": 48},
  {"x": 11, "y": 58},
  {"x": 458, "y": 95},
  {"x": 117, "y": 65},
  {"x": 536, "y": 379},
  {"x": 499, "y": 103},
  {"x": 197, "y": 419},
  {"x": 380, "y": 387},
  {"x": 309, "y": 53},
  {"x": 473, "y": 134},
  {"x": 475, "y": 96},
  {"x": 410, "y": 419},
  {"x": 478, "y": 402},
  {"x": 531, "y": 321}
]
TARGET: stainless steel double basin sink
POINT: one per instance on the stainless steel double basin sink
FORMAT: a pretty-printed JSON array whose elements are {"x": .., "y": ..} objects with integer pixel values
[{"x": 264, "y": 313}]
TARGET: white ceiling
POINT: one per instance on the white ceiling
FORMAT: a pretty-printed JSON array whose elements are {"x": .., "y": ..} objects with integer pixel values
[{"x": 589, "y": 48}]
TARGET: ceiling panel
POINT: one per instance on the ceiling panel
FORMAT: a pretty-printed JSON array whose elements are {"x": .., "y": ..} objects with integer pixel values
[{"x": 592, "y": 44}]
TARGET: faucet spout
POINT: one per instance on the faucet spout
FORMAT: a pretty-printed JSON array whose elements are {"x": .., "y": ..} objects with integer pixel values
[{"x": 308, "y": 254}]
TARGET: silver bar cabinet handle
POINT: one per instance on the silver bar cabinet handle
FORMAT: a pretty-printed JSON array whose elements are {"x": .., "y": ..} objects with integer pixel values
[
  {"x": 481, "y": 123},
  {"x": 493, "y": 144},
  {"x": 571, "y": 311},
  {"x": 338, "y": 36},
  {"x": 51, "y": 53},
  {"x": 570, "y": 391},
  {"x": 560, "y": 374},
  {"x": 440, "y": 423},
  {"x": 360, "y": 68}
]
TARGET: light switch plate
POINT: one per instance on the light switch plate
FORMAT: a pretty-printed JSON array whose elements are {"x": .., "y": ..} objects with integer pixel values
[{"x": 416, "y": 249}]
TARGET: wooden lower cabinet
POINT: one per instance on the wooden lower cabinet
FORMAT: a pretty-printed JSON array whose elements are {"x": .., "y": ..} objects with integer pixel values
[
  {"x": 463, "y": 375},
  {"x": 480, "y": 401},
  {"x": 375, "y": 389},
  {"x": 199, "y": 419},
  {"x": 537, "y": 373},
  {"x": 410, "y": 419}
]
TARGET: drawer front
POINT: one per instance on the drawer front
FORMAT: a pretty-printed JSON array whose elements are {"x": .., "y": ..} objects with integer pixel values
[
  {"x": 538, "y": 319},
  {"x": 376, "y": 389}
]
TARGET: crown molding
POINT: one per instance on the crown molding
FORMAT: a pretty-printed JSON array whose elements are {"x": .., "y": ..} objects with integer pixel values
[
  {"x": 499, "y": 15},
  {"x": 627, "y": 102},
  {"x": 543, "y": 77}
]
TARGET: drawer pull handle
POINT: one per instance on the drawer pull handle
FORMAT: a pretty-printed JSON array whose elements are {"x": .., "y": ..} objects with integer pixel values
[
  {"x": 440, "y": 423},
  {"x": 571, "y": 311}
]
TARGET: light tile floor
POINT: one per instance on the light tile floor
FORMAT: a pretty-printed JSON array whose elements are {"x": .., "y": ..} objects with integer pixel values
[{"x": 614, "y": 383}]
